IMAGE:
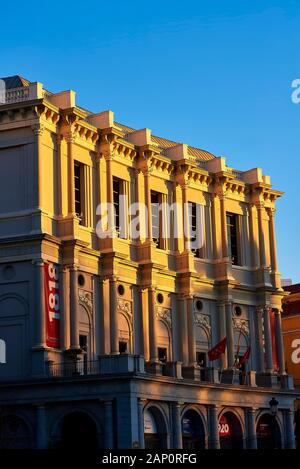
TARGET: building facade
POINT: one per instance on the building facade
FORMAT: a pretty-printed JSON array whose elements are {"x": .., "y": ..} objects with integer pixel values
[
  {"x": 291, "y": 342},
  {"x": 105, "y": 322}
]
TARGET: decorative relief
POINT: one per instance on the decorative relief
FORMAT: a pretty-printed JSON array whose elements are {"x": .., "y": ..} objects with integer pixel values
[
  {"x": 86, "y": 298},
  {"x": 124, "y": 306},
  {"x": 241, "y": 324},
  {"x": 202, "y": 320},
  {"x": 164, "y": 314}
]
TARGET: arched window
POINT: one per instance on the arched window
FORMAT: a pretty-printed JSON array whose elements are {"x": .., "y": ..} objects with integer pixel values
[
  {"x": 155, "y": 431},
  {"x": 14, "y": 433},
  {"x": 163, "y": 342},
  {"x": 124, "y": 334},
  {"x": 78, "y": 431},
  {"x": 268, "y": 433},
  {"x": 230, "y": 431},
  {"x": 193, "y": 433}
]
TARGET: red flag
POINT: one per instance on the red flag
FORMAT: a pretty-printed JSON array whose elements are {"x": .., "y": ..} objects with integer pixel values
[
  {"x": 217, "y": 350},
  {"x": 245, "y": 357}
]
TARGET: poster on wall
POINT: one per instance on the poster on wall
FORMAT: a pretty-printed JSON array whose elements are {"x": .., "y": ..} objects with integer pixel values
[{"x": 52, "y": 307}]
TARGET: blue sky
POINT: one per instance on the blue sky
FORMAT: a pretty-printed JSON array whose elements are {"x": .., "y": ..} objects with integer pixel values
[{"x": 214, "y": 74}]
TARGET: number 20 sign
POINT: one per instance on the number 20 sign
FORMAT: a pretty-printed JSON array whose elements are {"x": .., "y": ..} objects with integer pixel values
[{"x": 52, "y": 306}]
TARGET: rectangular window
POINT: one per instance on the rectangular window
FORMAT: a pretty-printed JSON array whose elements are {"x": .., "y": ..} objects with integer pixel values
[
  {"x": 196, "y": 221},
  {"x": 123, "y": 347},
  {"x": 232, "y": 234},
  {"x": 156, "y": 219},
  {"x": 79, "y": 191},
  {"x": 116, "y": 202},
  {"x": 120, "y": 207},
  {"x": 162, "y": 354}
]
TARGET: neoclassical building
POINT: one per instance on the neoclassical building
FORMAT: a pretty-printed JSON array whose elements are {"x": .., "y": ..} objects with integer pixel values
[{"x": 105, "y": 325}]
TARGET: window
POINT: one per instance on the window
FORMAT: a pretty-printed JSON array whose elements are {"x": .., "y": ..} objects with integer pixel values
[
  {"x": 78, "y": 186},
  {"x": 202, "y": 362},
  {"x": 201, "y": 359},
  {"x": 156, "y": 222},
  {"x": 232, "y": 234},
  {"x": 122, "y": 347},
  {"x": 162, "y": 354},
  {"x": 196, "y": 226},
  {"x": 120, "y": 207},
  {"x": 83, "y": 342},
  {"x": 116, "y": 202}
]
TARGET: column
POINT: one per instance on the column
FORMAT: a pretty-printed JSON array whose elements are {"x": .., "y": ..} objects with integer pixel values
[
  {"x": 59, "y": 195},
  {"x": 40, "y": 303},
  {"x": 213, "y": 439},
  {"x": 38, "y": 130},
  {"x": 183, "y": 332},
  {"x": 274, "y": 266},
  {"x": 177, "y": 428},
  {"x": 222, "y": 332},
  {"x": 289, "y": 429},
  {"x": 141, "y": 405},
  {"x": 279, "y": 341},
  {"x": 152, "y": 325},
  {"x": 144, "y": 311},
  {"x": 177, "y": 218},
  {"x": 191, "y": 330},
  {"x": 254, "y": 241},
  {"x": 65, "y": 316},
  {"x": 71, "y": 186},
  {"x": 186, "y": 218},
  {"x": 110, "y": 197},
  {"x": 259, "y": 342},
  {"x": 108, "y": 425},
  {"x": 114, "y": 329},
  {"x": 148, "y": 220},
  {"x": 74, "y": 309},
  {"x": 41, "y": 427},
  {"x": 229, "y": 334},
  {"x": 268, "y": 339},
  {"x": 262, "y": 247},
  {"x": 222, "y": 198},
  {"x": 251, "y": 428},
  {"x": 99, "y": 345}
]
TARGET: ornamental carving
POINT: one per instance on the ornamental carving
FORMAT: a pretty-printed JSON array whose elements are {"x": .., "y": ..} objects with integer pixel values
[
  {"x": 202, "y": 320},
  {"x": 164, "y": 314},
  {"x": 241, "y": 324},
  {"x": 124, "y": 306},
  {"x": 86, "y": 299}
]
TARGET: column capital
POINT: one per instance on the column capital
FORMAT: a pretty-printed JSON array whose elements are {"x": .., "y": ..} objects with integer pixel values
[{"x": 38, "y": 129}]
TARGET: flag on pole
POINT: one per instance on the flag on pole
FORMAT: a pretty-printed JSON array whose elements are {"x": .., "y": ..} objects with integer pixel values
[
  {"x": 217, "y": 350},
  {"x": 245, "y": 357}
]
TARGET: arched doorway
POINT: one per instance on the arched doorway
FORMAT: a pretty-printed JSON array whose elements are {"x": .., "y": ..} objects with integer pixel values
[
  {"x": 193, "y": 433},
  {"x": 268, "y": 433},
  {"x": 155, "y": 432},
  {"x": 14, "y": 433},
  {"x": 230, "y": 431},
  {"x": 78, "y": 432}
]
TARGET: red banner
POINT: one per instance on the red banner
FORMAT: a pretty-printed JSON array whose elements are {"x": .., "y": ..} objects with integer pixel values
[
  {"x": 52, "y": 308},
  {"x": 224, "y": 427},
  {"x": 273, "y": 333}
]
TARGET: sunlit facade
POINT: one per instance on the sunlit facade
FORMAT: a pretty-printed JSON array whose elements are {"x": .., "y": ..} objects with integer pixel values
[{"x": 106, "y": 335}]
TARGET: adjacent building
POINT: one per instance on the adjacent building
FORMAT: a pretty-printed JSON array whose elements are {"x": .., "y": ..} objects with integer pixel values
[
  {"x": 106, "y": 322},
  {"x": 291, "y": 341}
]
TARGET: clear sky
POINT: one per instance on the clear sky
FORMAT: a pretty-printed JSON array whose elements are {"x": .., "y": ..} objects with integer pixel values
[{"x": 215, "y": 74}]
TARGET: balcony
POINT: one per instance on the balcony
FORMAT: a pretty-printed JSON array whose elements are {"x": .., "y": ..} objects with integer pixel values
[{"x": 134, "y": 364}]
